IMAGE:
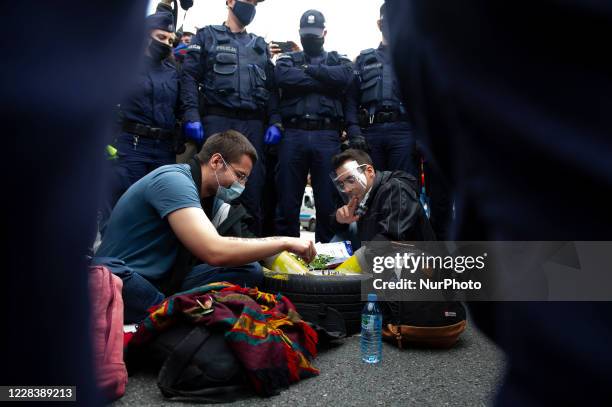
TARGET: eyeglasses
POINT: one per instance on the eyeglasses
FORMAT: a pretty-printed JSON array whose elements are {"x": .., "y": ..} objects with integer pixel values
[{"x": 240, "y": 176}]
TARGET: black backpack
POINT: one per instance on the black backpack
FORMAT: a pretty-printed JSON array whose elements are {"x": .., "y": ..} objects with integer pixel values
[
  {"x": 196, "y": 364},
  {"x": 423, "y": 324}
]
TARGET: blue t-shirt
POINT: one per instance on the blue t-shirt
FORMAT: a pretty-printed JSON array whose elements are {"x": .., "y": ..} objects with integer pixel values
[{"x": 138, "y": 232}]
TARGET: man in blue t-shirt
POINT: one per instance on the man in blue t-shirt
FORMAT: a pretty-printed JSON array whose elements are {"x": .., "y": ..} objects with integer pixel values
[{"x": 167, "y": 208}]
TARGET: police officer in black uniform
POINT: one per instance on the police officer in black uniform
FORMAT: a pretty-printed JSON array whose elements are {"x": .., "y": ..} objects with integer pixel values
[
  {"x": 228, "y": 83},
  {"x": 313, "y": 86},
  {"x": 375, "y": 112},
  {"x": 148, "y": 117}
]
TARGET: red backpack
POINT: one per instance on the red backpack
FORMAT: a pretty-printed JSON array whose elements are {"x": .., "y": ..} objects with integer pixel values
[{"x": 107, "y": 331}]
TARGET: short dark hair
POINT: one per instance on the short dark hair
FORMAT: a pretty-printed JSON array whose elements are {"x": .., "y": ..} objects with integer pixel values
[
  {"x": 231, "y": 144},
  {"x": 351, "y": 155}
]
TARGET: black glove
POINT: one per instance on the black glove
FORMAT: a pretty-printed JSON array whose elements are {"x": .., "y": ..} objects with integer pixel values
[
  {"x": 359, "y": 143},
  {"x": 271, "y": 151}
]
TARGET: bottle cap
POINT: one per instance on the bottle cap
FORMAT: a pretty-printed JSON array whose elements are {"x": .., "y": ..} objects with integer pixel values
[{"x": 372, "y": 298}]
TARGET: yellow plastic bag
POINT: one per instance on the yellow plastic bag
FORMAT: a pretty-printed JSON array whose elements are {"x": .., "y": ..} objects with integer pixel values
[
  {"x": 354, "y": 264},
  {"x": 285, "y": 263}
]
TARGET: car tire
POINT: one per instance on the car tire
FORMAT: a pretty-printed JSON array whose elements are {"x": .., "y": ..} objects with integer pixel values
[{"x": 343, "y": 293}]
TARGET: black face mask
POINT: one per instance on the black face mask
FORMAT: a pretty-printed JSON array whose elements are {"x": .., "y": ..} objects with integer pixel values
[
  {"x": 312, "y": 45},
  {"x": 244, "y": 12},
  {"x": 158, "y": 50}
]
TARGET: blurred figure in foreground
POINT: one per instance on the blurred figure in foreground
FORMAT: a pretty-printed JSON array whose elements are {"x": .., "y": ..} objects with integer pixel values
[
  {"x": 57, "y": 106},
  {"x": 514, "y": 106}
]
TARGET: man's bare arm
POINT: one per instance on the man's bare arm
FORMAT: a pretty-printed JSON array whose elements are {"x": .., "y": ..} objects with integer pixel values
[{"x": 200, "y": 237}]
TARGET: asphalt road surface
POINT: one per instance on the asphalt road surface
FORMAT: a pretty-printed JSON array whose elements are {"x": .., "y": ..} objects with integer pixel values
[{"x": 466, "y": 375}]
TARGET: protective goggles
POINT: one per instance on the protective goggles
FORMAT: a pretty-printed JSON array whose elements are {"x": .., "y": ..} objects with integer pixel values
[{"x": 350, "y": 180}]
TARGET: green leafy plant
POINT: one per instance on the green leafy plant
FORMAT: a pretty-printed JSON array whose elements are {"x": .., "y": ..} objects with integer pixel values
[{"x": 319, "y": 262}]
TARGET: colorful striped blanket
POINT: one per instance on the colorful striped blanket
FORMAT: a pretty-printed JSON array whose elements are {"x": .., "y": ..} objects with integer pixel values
[{"x": 263, "y": 330}]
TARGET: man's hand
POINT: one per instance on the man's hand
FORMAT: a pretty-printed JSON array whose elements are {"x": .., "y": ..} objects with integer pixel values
[
  {"x": 356, "y": 140},
  {"x": 346, "y": 214},
  {"x": 294, "y": 46},
  {"x": 343, "y": 136},
  {"x": 302, "y": 247},
  {"x": 274, "y": 49},
  {"x": 194, "y": 131},
  {"x": 359, "y": 143},
  {"x": 273, "y": 134}
]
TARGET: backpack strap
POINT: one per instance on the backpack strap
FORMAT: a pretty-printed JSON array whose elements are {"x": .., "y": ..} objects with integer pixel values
[
  {"x": 179, "y": 360},
  {"x": 184, "y": 259}
]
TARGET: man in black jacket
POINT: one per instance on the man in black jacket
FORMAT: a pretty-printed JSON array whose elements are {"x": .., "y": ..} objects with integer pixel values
[{"x": 383, "y": 204}]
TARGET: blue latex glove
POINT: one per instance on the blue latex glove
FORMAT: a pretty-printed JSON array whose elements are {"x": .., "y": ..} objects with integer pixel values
[
  {"x": 273, "y": 135},
  {"x": 194, "y": 131}
]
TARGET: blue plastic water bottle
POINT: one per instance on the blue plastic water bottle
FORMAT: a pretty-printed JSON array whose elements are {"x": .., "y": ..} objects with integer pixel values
[{"x": 371, "y": 331}]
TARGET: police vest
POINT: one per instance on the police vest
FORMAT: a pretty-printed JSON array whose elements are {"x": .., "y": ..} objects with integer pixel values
[
  {"x": 236, "y": 73},
  {"x": 377, "y": 83},
  {"x": 312, "y": 105}
]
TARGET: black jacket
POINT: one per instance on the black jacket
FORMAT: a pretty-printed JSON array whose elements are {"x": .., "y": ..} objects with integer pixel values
[
  {"x": 394, "y": 212},
  {"x": 238, "y": 223}
]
